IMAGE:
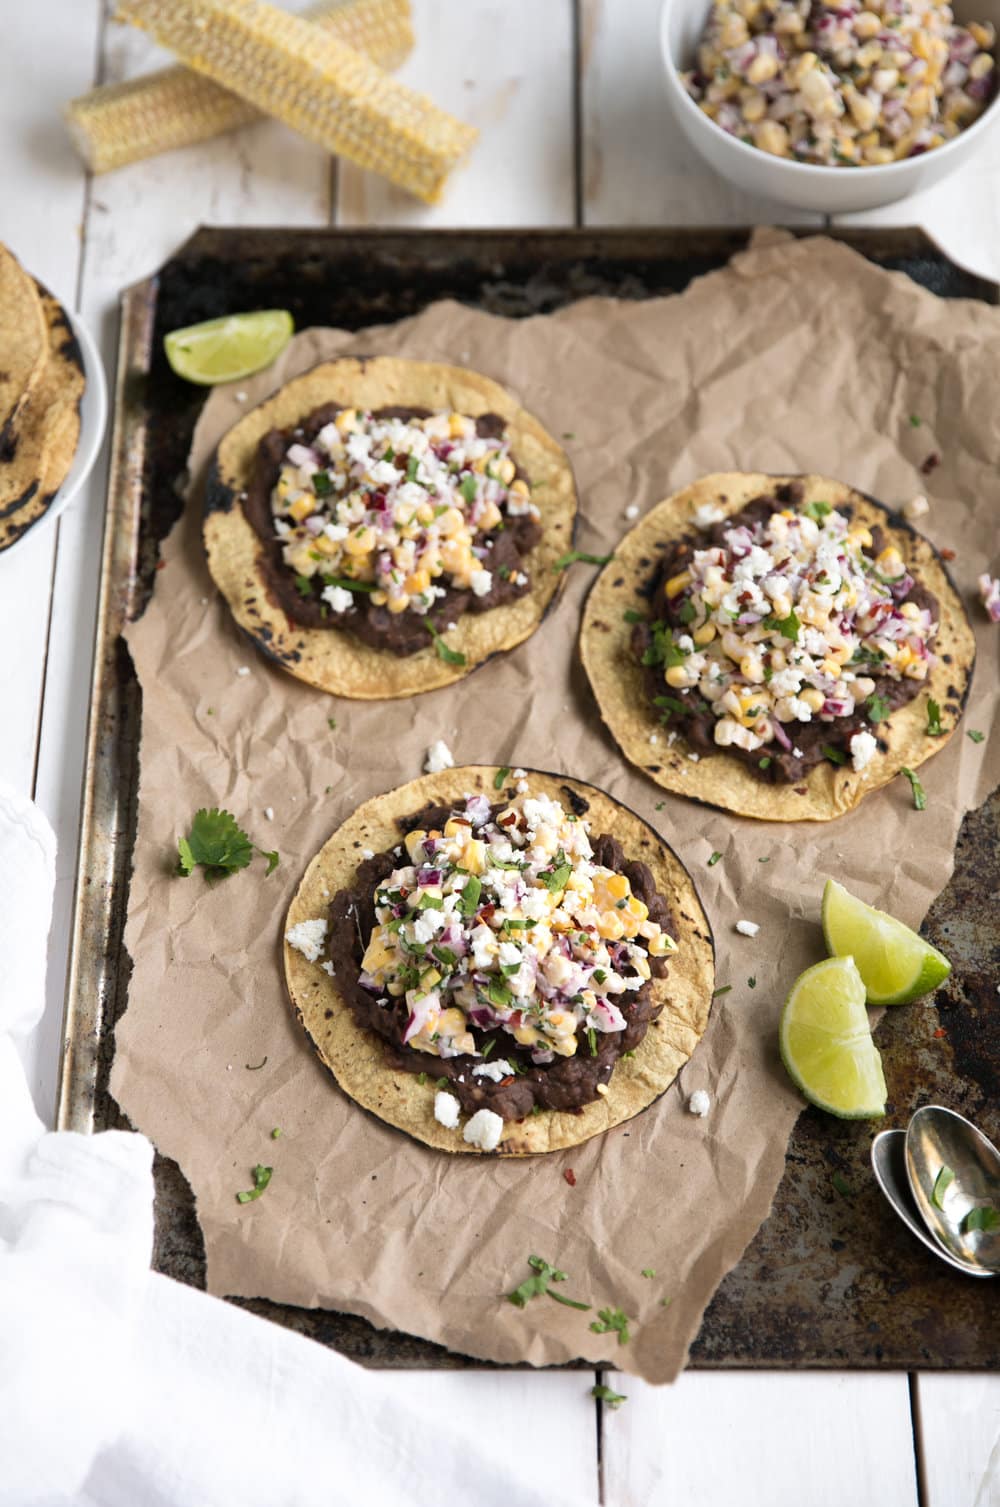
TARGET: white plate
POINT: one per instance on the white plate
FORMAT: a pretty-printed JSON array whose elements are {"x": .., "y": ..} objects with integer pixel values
[{"x": 93, "y": 421}]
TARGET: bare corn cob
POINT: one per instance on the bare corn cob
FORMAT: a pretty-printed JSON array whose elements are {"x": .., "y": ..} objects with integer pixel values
[
  {"x": 175, "y": 107},
  {"x": 313, "y": 82}
]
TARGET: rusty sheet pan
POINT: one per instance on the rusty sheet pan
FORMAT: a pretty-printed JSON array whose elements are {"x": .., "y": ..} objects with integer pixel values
[{"x": 832, "y": 1279}]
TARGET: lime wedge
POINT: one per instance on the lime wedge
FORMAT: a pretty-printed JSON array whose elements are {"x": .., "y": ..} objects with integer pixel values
[
  {"x": 223, "y": 350},
  {"x": 894, "y": 962},
  {"x": 826, "y": 1042}
]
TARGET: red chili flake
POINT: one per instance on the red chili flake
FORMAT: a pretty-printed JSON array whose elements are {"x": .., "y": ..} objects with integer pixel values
[
  {"x": 160, "y": 564},
  {"x": 940, "y": 1031},
  {"x": 485, "y": 912},
  {"x": 801, "y": 789},
  {"x": 504, "y": 1081},
  {"x": 930, "y": 464},
  {"x": 507, "y": 821},
  {"x": 570, "y": 1177},
  {"x": 947, "y": 554}
]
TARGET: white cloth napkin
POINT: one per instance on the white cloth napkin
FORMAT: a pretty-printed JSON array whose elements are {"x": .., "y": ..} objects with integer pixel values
[{"x": 120, "y": 1388}]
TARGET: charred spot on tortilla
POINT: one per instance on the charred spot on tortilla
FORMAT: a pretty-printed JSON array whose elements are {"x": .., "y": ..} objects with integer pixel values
[
  {"x": 385, "y": 510},
  {"x": 509, "y": 951},
  {"x": 792, "y": 629}
]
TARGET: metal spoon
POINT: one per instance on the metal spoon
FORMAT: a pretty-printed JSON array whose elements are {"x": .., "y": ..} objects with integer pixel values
[
  {"x": 953, "y": 1169},
  {"x": 889, "y": 1165}
]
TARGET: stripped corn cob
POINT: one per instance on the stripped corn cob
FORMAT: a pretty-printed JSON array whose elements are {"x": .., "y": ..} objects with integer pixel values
[
  {"x": 318, "y": 85},
  {"x": 174, "y": 107}
]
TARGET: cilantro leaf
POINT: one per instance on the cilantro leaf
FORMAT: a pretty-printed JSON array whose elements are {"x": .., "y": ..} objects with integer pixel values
[
  {"x": 261, "y": 1178},
  {"x": 835, "y": 755},
  {"x": 470, "y": 895},
  {"x": 412, "y": 466},
  {"x": 215, "y": 842},
  {"x": 714, "y": 860},
  {"x": 303, "y": 585},
  {"x": 788, "y": 626},
  {"x": 663, "y": 650},
  {"x": 975, "y": 734},
  {"x": 915, "y": 421},
  {"x": 631, "y": 616},
  {"x": 534, "y": 1287},
  {"x": 841, "y": 1185},
  {"x": 579, "y": 555},
  {"x": 500, "y": 777},
  {"x": 612, "y": 1321},
  {"x": 687, "y": 612},
  {"x": 817, "y": 510},
  {"x": 468, "y": 488},
  {"x": 321, "y": 483},
  {"x": 724, "y": 990},
  {"x": 592, "y": 1040},
  {"x": 765, "y": 762},
  {"x": 272, "y": 861},
  {"x": 605, "y": 1394},
  {"x": 934, "y": 728},
  {"x": 648, "y": 1271},
  {"x": 672, "y": 704},
  {"x": 919, "y": 793},
  {"x": 877, "y": 708},
  {"x": 942, "y": 1183},
  {"x": 347, "y": 584},
  {"x": 982, "y": 1217},
  {"x": 450, "y": 656}
]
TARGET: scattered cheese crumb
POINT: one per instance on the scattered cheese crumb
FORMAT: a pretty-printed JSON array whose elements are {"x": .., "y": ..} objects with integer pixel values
[
  {"x": 240, "y": 397},
  {"x": 694, "y": 757},
  {"x": 494, "y": 1070},
  {"x": 707, "y": 514},
  {"x": 654, "y": 737},
  {"x": 484, "y": 1130},
  {"x": 269, "y": 813},
  {"x": 797, "y": 753},
  {"x": 446, "y": 1108},
  {"x": 917, "y": 506},
  {"x": 863, "y": 745},
  {"x": 632, "y": 511},
  {"x": 989, "y": 590},
  {"x": 481, "y": 582},
  {"x": 439, "y": 756},
  {"x": 308, "y": 937},
  {"x": 747, "y": 928},
  {"x": 699, "y": 1103},
  {"x": 338, "y": 597},
  {"x": 519, "y": 774},
  {"x": 602, "y": 1089},
  {"x": 328, "y": 967},
  {"x": 243, "y": 670},
  {"x": 367, "y": 853},
  {"x": 522, "y": 787}
]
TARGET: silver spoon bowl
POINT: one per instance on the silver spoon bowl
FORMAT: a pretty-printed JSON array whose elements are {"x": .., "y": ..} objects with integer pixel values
[
  {"x": 889, "y": 1165},
  {"x": 953, "y": 1171}
]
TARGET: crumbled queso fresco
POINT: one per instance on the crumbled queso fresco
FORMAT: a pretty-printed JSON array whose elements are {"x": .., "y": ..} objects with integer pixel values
[
  {"x": 439, "y": 756},
  {"x": 308, "y": 938},
  {"x": 397, "y": 509},
  {"x": 845, "y": 85},
  {"x": 506, "y": 921},
  {"x": 787, "y": 622}
]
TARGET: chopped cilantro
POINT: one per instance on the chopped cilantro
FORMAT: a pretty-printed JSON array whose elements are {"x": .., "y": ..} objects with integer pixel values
[
  {"x": 430, "y": 902},
  {"x": 579, "y": 555},
  {"x": 321, "y": 483},
  {"x": 724, "y": 990},
  {"x": 272, "y": 861},
  {"x": 470, "y": 895},
  {"x": 660, "y": 805},
  {"x": 648, "y": 1271},
  {"x": 934, "y": 728},
  {"x": 671, "y": 704},
  {"x": 788, "y": 626},
  {"x": 468, "y": 488},
  {"x": 275, "y": 1133},
  {"x": 533, "y": 1287},
  {"x": 919, "y": 793},
  {"x": 219, "y": 845},
  {"x": 331, "y": 723},
  {"x": 569, "y": 434},
  {"x": 942, "y": 1183},
  {"x": 752, "y": 982},
  {"x": 444, "y": 956},
  {"x": 412, "y": 466},
  {"x": 714, "y": 860},
  {"x": 817, "y": 510},
  {"x": 592, "y": 1040},
  {"x": 503, "y": 571},
  {"x": 488, "y": 1046},
  {"x": 975, "y": 734},
  {"x": 612, "y": 1321},
  {"x": 631, "y": 616},
  {"x": 421, "y": 1078},
  {"x": 665, "y": 1302},
  {"x": 982, "y": 1217},
  {"x": 261, "y": 1178},
  {"x": 835, "y": 755},
  {"x": 555, "y": 879},
  {"x": 915, "y": 421},
  {"x": 347, "y": 584},
  {"x": 763, "y": 860},
  {"x": 841, "y": 1184},
  {"x": 304, "y": 586},
  {"x": 450, "y": 656},
  {"x": 605, "y": 1394},
  {"x": 663, "y": 650},
  {"x": 688, "y": 612},
  {"x": 877, "y": 708},
  {"x": 505, "y": 863},
  {"x": 765, "y": 762},
  {"x": 500, "y": 777},
  {"x": 499, "y": 994}
]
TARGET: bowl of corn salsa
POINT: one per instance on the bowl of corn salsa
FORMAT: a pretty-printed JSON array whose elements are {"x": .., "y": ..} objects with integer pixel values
[{"x": 832, "y": 107}]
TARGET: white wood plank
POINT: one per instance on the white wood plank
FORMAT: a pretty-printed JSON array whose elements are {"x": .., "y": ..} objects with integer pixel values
[
  {"x": 962, "y": 213},
  {"x": 637, "y": 167},
  {"x": 959, "y": 1432},
  {"x": 542, "y": 1419},
  {"x": 40, "y": 216},
  {"x": 761, "y": 1439},
  {"x": 507, "y": 66}
]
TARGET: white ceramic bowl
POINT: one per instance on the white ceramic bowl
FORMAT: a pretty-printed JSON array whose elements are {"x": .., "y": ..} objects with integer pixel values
[{"x": 830, "y": 190}]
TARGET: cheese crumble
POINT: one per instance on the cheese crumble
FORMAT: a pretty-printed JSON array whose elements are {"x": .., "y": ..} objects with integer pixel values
[
  {"x": 308, "y": 938},
  {"x": 439, "y": 756}
]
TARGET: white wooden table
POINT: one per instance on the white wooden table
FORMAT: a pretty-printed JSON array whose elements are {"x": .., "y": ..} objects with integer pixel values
[{"x": 574, "y": 130}]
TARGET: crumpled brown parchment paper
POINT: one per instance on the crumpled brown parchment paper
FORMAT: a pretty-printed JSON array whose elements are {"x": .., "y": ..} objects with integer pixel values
[{"x": 799, "y": 356}]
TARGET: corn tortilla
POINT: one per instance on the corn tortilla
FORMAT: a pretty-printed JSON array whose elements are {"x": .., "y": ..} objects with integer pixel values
[
  {"x": 333, "y": 659},
  {"x": 23, "y": 341},
  {"x": 719, "y": 779},
  {"x": 356, "y": 1057}
]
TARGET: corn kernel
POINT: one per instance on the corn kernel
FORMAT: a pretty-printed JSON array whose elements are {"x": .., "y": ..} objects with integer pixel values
[
  {"x": 611, "y": 926},
  {"x": 813, "y": 698},
  {"x": 676, "y": 584},
  {"x": 398, "y": 604},
  {"x": 704, "y": 634},
  {"x": 617, "y": 886},
  {"x": 679, "y": 676},
  {"x": 302, "y": 507}
]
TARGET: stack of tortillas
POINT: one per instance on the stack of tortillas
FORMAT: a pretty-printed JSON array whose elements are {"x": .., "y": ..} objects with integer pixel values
[{"x": 41, "y": 387}]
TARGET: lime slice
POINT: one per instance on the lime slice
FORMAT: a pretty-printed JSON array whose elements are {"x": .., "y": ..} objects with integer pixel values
[
  {"x": 826, "y": 1042},
  {"x": 223, "y": 350},
  {"x": 894, "y": 962}
]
